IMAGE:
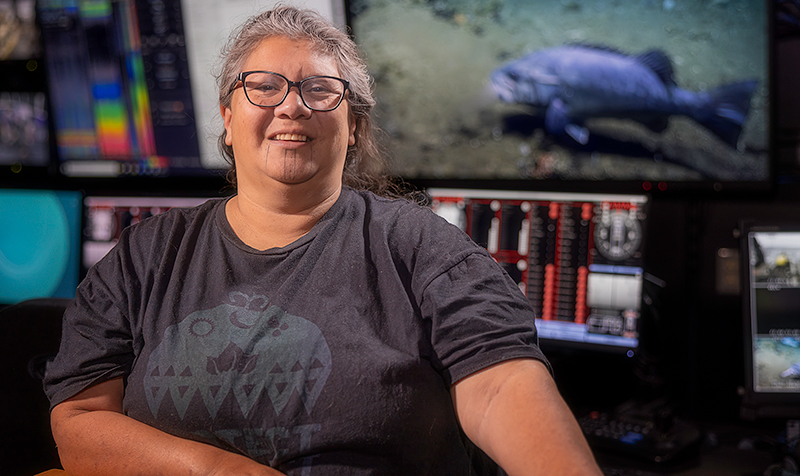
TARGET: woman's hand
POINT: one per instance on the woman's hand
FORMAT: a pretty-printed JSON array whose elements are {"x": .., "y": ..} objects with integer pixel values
[{"x": 95, "y": 438}]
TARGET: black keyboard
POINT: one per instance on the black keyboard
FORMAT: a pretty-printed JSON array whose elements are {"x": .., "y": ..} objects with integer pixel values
[
  {"x": 639, "y": 438},
  {"x": 609, "y": 471}
]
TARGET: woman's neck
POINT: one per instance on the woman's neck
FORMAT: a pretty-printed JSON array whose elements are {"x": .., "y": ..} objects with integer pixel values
[{"x": 274, "y": 220}]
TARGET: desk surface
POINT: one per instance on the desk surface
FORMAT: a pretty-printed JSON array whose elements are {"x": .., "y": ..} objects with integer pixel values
[{"x": 727, "y": 450}]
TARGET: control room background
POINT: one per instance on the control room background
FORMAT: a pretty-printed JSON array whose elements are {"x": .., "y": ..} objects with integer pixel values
[{"x": 693, "y": 345}]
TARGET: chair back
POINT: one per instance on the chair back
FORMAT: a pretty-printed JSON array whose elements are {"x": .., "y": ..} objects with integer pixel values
[{"x": 30, "y": 333}]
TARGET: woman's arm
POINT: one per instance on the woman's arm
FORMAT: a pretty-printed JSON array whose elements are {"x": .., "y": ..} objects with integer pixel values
[
  {"x": 94, "y": 437},
  {"x": 514, "y": 412}
]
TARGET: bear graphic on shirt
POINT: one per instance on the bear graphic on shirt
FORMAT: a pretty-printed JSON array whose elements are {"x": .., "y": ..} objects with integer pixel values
[{"x": 245, "y": 346}]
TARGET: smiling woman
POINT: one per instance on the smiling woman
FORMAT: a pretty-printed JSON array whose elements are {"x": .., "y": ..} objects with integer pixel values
[
  {"x": 287, "y": 148},
  {"x": 304, "y": 325},
  {"x": 365, "y": 166}
]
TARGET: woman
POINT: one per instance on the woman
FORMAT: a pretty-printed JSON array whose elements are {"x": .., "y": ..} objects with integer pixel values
[{"x": 302, "y": 327}]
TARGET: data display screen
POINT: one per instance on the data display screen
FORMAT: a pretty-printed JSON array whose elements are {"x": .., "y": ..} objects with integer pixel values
[{"x": 576, "y": 256}]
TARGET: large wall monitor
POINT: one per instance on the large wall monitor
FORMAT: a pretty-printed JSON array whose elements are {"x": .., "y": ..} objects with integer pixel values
[
  {"x": 771, "y": 296},
  {"x": 576, "y": 256},
  {"x": 634, "y": 96},
  {"x": 131, "y": 82}
]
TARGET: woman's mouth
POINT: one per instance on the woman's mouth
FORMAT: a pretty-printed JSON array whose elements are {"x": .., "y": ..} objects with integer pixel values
[{"x": 290, "y": 137}]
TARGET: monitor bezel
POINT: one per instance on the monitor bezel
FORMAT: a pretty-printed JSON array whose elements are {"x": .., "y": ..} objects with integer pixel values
[
  {"x": 700, "y": 189},
  {"x": 760, "y": 405}
]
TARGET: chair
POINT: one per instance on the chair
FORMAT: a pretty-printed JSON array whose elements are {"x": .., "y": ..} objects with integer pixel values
[{"x": 30, "y": 333}]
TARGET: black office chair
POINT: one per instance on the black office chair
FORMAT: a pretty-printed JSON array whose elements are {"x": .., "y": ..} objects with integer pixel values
[{"x": 30, "y": 333}]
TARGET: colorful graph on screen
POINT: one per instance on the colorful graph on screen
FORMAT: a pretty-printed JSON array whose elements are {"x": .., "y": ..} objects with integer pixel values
[{"x": 102, "y": 109}]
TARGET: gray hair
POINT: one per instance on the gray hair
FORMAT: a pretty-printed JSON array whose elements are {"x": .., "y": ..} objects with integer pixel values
[{"x": 364, "y": 165}]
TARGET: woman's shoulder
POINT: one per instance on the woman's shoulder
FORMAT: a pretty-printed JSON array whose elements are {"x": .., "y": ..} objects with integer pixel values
[
  {"x": 139, "y": 243},
  {"x": 409, "y": 223},
  {"x": 169, "y": 225},
  {"x": 180, "y": 216},
  {"x": 391, "y": 205},
  {"x": 398, "y": 213}
]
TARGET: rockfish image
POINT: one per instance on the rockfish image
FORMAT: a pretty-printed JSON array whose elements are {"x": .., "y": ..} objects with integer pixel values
[
  {"x": 573, "y": 83},
  {"x": 678, "y": 92}
]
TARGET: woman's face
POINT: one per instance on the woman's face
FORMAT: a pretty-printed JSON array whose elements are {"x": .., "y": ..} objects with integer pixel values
[{"x": 289, "y": 143}]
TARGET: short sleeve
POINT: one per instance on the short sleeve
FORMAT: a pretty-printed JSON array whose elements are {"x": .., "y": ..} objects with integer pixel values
[
  {"x": 478, "y": 317},
  {"x": 96, "y": 341}
]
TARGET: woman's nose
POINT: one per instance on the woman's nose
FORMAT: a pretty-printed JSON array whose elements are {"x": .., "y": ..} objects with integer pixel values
[{"x": 293, "y": 106}]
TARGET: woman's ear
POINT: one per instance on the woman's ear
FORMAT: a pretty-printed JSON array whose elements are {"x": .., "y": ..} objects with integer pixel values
[
  {"x": 225, "y": 112},
  {"x": 351, "y": 140}
]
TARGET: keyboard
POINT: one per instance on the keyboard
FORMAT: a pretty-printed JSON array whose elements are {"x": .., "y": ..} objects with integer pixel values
[
  {"x": 615, "y": 471},
  {"x": 640, "y": 438},
  {"x": 612, "y": 471}
]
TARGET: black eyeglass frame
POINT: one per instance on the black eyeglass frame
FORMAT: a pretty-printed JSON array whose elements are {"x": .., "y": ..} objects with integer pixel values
[{"x": 298, "y": 84}]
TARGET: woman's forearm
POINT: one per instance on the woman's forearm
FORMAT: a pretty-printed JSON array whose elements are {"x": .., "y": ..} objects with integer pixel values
[
  {"x": 513, "y": 411},
  {"x": 95, "y": 438}
]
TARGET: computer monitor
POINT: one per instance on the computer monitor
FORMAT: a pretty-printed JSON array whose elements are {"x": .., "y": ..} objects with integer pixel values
[
  {"x": 576, "y": 256},
  {"x": 107, "y": 215},
  {"x": 771, "y": 298},
  {"x": 24, "y": 138},
  {"x": 40, "y": 232},
  {"x": 131, "y": 82},
  {"x": 24, "y": 132},
  {"x": 534, "y": 93}
]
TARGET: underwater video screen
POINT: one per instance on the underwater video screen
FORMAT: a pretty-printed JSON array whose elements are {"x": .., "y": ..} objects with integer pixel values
[{"x": 577, "y": 90}]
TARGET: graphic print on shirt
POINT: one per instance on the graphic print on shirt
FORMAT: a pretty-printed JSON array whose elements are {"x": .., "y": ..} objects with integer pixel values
[{"x": 246, "y": 347}]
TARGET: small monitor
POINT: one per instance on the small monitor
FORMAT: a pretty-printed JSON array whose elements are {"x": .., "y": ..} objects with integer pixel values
[
  {"x": 576, "y": 256},
  {"x": 40, "y": 232},
  {"x": 771, "y": 298},
  {"x": 107, "y": 216},
  {"x": 24, "y": 129}
]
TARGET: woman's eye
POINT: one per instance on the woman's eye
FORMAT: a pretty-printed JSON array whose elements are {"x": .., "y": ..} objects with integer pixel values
[{"x": 264, "y": 87}]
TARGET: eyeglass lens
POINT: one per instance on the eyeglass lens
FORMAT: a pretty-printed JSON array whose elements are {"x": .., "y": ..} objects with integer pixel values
[{"x": 267, "y": 89}]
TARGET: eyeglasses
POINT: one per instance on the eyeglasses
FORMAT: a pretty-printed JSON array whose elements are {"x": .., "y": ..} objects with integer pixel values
[{"x": 268, "y": 89}]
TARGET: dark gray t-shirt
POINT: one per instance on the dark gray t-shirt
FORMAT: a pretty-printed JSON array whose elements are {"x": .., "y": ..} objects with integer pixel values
[{"x": 333, "y": 355}]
